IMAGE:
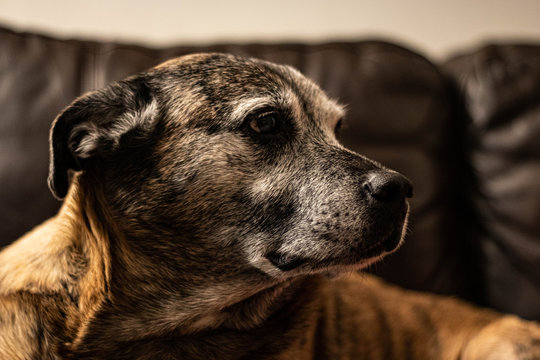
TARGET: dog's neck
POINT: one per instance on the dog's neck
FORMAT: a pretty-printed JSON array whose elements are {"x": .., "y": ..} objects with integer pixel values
[
  {"x": 61, "y": 258},
  {"x": 86, "y": 259},
  {"x": 122, "y": 296}
]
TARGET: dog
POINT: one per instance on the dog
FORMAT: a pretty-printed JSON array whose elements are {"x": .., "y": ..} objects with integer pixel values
[{"x": 208, "y": 213}]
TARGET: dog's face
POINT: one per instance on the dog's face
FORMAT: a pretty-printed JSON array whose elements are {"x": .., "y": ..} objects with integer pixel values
[{"x": 228, "y": 167}]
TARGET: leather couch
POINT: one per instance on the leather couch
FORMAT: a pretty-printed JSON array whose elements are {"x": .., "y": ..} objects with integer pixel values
[{"x": 465, "y": 131}]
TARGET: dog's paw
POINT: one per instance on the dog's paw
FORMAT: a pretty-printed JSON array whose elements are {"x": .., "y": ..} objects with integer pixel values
[{"x": 509, "y": 338}]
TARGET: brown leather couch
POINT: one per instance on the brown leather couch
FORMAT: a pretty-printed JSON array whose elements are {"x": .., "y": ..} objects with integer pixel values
[{"x": 467, "y": 132}]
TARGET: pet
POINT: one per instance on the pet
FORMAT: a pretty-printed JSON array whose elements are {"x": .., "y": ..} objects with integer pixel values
[{"x": 208, "y": 213}]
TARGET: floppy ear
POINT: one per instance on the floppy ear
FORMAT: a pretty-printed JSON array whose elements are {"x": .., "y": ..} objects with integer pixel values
[{"x": 93, "y": 126}]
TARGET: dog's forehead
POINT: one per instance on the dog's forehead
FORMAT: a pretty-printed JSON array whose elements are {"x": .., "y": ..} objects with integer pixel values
[{"x": 238, "y": 85}]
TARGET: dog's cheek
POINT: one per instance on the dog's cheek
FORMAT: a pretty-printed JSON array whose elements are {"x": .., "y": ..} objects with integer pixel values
[
  {"x": 270, "y": 215},
  {"x": 201, "y": 175},
  {"x": 330, "y": 215}
]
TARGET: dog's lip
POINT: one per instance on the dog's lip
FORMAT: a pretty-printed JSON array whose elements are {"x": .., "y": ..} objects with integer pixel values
[
  {"x": 285, "y": 262},
  {"x": 365, "y": 255},
  {"x": 288, "y": 263}
]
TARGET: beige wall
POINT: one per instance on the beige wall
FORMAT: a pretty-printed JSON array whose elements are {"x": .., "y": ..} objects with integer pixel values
[{"x": 435, "y": 27}]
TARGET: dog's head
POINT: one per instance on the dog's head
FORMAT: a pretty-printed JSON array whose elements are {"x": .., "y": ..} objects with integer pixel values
[{"x": 222, "y": 166}]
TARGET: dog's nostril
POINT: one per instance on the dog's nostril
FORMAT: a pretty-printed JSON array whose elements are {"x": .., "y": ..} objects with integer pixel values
[{"x": 388, "y": 187}]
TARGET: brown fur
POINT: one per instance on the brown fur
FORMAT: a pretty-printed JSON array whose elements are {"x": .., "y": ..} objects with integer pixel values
[{"x": 188, "y": 232}]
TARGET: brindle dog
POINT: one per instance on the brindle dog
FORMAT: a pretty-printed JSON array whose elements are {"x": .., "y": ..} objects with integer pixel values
[{"x": 207, "y": 206}]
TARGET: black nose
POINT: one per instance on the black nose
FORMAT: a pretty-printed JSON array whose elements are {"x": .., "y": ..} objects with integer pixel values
[{"x": 389, "y": 187}]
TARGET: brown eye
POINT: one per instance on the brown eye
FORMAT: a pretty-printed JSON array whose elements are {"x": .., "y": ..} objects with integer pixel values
[{"x": 264, "y": 124}]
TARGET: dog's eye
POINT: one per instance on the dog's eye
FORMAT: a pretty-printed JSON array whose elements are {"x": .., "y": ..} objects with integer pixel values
[{"x": 265, "y": 123}]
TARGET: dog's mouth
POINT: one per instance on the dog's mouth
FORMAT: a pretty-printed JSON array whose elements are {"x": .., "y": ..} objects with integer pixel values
[
  {"x": 285, "y": 262},
  {"x": 364, "y": 255}
]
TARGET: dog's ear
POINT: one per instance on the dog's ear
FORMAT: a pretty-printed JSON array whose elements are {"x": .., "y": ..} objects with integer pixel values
[{"x": 94, "y": 124}]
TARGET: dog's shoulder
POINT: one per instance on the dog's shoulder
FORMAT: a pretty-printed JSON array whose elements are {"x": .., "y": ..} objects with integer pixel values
[
  {"x": 29, "y": 328},
  {"x": 36, "y": 292},
  {"x": 17, "y": 328},
  {"x": 38, "y": 262}
]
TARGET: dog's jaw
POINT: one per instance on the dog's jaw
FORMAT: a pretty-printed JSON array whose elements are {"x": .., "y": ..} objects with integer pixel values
[{"x": 284, "y": 265}]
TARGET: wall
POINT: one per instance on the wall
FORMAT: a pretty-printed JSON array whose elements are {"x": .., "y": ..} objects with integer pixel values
[{"x": 435, "y": 27}]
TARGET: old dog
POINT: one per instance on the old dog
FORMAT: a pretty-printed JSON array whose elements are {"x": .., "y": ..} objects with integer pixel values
[{"x": 208, "y": 209}]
